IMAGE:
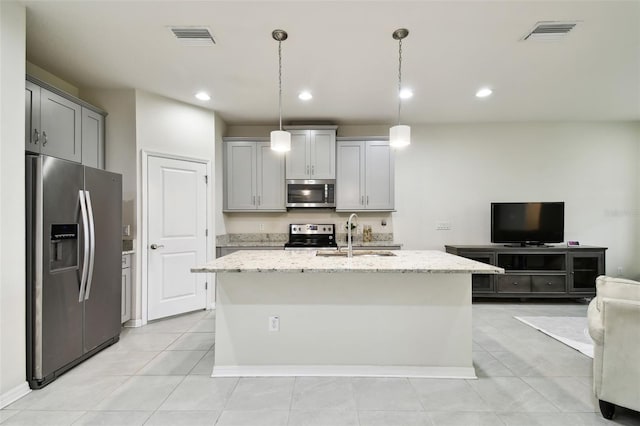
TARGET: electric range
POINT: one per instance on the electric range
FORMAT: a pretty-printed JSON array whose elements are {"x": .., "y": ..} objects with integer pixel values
[{"x": 311, "y": 236}]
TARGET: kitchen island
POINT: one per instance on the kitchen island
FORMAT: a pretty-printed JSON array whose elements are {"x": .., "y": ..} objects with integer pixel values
[{"x": 292, "y": 313}]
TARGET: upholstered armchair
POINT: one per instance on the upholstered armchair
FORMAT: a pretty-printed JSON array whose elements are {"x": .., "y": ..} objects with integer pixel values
[{"x": 614, "y": 326}]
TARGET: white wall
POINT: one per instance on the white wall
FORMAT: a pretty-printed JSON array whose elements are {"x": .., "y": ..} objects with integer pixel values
[
  {"x": 221, "y": 128},
  {"x": 167, "y": 126},
  {"x": 12, "y": 245},
  {"x": 120, "y": 142},
  {"x": 453, "y": 172}
]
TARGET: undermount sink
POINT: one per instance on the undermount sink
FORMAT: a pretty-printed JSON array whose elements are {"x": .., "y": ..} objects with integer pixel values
[{"x": 359, "y": 253}]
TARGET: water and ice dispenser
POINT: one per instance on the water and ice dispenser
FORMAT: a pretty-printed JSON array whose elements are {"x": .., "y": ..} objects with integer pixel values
[{"x": 63, "y": 247}]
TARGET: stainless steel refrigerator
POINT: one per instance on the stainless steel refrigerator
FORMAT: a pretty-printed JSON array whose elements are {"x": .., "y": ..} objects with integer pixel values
[{"x": 74, "y": 252}]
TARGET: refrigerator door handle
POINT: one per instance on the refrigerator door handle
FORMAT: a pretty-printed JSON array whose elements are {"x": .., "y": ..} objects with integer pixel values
[
  {"x": 86, "y": 238},
  {"x": 92, "y": 239}
]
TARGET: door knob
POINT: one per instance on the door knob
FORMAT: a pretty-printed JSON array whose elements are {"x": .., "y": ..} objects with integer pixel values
[{"x": 156, "y": 246}]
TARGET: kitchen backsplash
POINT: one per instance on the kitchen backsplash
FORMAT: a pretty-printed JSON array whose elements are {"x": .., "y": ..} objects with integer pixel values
[
  {"x": 281, "y": 238},
  {"x": 278, "y": 223}
]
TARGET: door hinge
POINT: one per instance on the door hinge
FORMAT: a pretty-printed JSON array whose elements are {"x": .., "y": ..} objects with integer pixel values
[
  {"x": 206, "y": 285},
  {"x": 206, "y": 232},
  {"x": 206, "y": 179}
]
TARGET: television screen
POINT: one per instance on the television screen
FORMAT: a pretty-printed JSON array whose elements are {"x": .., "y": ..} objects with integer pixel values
[{"x": 533, "y": 223}]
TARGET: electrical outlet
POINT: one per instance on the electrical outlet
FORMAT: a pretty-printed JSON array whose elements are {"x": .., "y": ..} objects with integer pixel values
[
  {"x": 261, "y": 227},
  {"x": 620, "y": 271},
  {"x": 443, "y": 226},
  {"x": 274, "y": 323}
]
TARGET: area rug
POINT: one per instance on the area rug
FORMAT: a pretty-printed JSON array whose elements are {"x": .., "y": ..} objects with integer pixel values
[{"x": 572, "y": 331}]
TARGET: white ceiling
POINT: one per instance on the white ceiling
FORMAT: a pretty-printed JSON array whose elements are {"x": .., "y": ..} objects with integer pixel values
[{"x": 343, "y": 52}]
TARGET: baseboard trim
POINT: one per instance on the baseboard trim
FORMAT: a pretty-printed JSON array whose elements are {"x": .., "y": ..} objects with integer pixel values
[
  {"x": 14, "y": 394},
  {"x": 133, "y": 323},
  {"x": 343, "y": 371}
]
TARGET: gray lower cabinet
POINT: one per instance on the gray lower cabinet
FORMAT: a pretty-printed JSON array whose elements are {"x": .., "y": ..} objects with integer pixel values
[
  {"x": 126, "y": 288},
  {"x": 223, "y": 251},
  {"x": 544, "y": 272},
  {"x": 253, "y": 177},
  {"x": 365, "y": 177},
  {"x": 62, "y": 126}
]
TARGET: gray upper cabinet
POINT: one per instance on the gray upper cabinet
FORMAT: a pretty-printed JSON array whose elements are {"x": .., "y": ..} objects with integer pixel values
[
  {"x": 60, "y": 120},
  {"x": 254, "y": 177},
  {"x": 32, "y": 117},
  {"x": 59, "y": 125},
  {"x": 365, "y": 176},
  {"x": 312, "y": 155},
  {"x": 92, "y": 138}
]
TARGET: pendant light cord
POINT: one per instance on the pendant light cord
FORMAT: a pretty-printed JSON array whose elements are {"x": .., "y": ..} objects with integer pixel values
[
  {"x": 280, "y": 82},
  {"x": 399, "y": 78}
]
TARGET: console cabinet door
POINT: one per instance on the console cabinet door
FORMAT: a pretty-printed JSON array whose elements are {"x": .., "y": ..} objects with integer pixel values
[
  {"x": 270, "y": 178},
  {"x": 92, "y": 138},
  {"x": 350, "y": 176},
  {"x": 585, "y": 267},
  {"x": 60, "y": 119},
  {"x": 322, "y": 148},
  {"x": 32, "y": 128},
  {"x": 379, "y": 176},
  {"x": 481, "y": 283},
  {"x": 240, "y": 176}
]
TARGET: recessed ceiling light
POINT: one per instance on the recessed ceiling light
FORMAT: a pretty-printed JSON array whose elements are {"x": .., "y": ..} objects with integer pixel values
[
  {"x": 484, "y": 92},
  {"x": 406, "y": 93},
  {"x": 203, "y": 96},
  {"x": 305, "y": 96}
]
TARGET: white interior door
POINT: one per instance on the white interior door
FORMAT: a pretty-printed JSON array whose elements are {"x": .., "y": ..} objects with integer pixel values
[{"x": 176, "y": 217}]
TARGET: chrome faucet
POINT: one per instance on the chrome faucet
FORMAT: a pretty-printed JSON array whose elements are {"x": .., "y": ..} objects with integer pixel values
[{"x": 349, "y": 237}]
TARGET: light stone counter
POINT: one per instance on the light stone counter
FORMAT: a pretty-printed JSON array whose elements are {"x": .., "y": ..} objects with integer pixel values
[{"x": 294, "y": 261}]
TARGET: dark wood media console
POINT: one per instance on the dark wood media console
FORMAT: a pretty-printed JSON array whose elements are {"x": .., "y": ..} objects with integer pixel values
[{"x": 552, "y": 272}]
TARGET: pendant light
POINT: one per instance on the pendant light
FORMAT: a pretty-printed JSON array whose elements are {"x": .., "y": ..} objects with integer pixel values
[
  {"x": 280, "y": 140},
  {"x": 400, "y": 135}
]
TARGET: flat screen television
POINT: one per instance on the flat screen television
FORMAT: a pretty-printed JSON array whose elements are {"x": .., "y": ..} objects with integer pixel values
[{"x": 527, "y": 223}]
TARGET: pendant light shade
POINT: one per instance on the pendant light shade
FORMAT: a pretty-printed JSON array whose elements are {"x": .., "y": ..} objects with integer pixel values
[
  {"x": 280, "y": 140},
  {"x": 400, "y": 135}
]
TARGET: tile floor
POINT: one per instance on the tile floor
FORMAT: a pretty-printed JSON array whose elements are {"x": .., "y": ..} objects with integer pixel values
[{"x": 159, "y": 375}]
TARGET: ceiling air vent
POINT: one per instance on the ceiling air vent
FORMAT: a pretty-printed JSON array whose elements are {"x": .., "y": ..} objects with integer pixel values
[
  {"x": 193, "y": 36},
  {"x": 550, "y": 30}
]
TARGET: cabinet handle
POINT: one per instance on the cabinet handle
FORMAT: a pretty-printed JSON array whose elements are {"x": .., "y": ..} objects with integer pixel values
[
  {"x": 362, "y": 200},
  {"x": 253, "y": 200},
  {"x": 367, "y": 200},
  {"x": 258, "y": 200},
  {"x": 313, "y": 170},
  {"x": 36, "y": 136},
  {"x": 44, "y": 134},
  {"x": 307, "y": 169},
  {"x": 549, "y": 283},
  {"x": 515, "y": 283}
]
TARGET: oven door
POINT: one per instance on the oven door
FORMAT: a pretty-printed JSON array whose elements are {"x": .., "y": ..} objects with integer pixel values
[{"x": 311, "y": 193}]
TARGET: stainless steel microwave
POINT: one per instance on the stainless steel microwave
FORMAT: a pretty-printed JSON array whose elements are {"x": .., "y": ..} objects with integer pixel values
[{"x": 311, "y": 193}]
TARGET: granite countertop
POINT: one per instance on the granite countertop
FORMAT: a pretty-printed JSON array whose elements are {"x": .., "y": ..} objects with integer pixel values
[{"x": 404, "y": 261}]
